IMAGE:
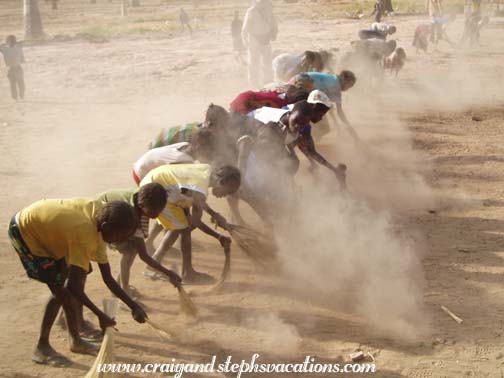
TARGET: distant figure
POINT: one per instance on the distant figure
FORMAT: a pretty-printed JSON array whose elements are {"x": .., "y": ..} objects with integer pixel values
[
  {"x": 435, "y": 9},
  {"x": 472, "y": 28},
  {"x": 395, "y": 61},
  {"x": 184, "y": 20},
  {"x": 421, "y": 37},
  {"x": 288, "y": 65},
  {"x": 236, "y": 29},
  {"x": 377, "y": 11},
  {"x": 382, "y": 7},
  {"x": 378, "y": 30},
  {"x": 13, "y": 56},
  {"x": 259, "y": 29}
]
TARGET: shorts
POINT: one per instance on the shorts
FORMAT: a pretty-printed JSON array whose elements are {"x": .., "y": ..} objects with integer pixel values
[
  {"x": 42, "y": 269},
  {"x": 174, "y": 217},
  {"x": 136, "y": 178}
]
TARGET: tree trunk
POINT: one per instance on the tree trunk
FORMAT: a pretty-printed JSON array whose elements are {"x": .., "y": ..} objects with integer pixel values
[
  {"x": 92, "y": 1},
  {"x": 54, "y": 4},
  {"x": 135, "y": 3},
  {"x": 124, "y": 8},
  {"x": 32, "y": 20}
]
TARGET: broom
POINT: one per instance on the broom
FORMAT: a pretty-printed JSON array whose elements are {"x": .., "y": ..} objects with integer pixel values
[
  {"x": 106, "y": 353},
  {"x": 187, "y": 306},
  {"x": 163, "y": 333},
  {"x": 224, "y": 275},
  {"x": 257, "y": 246}
]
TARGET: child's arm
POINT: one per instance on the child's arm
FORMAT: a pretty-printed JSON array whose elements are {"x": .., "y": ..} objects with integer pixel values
[
  {"x": 343, "y": 118},
  {"x": 144, "y": 256},
  {"x": 138, "y": 313},
  {"x": 75, "y": 284},
  {"x": 307, "y": 146}
]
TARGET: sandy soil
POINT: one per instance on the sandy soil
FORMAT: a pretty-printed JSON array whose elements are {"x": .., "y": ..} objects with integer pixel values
[{"x": 434, "y": 166}]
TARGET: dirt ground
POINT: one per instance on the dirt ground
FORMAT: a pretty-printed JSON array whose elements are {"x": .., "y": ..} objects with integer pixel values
[{"x": 435, "y": 167}]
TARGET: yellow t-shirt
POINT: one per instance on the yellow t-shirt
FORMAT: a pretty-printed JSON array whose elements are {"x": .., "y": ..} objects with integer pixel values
[
  {"x": 174, "y": 178},
  {"x": 64, "y": 228}
]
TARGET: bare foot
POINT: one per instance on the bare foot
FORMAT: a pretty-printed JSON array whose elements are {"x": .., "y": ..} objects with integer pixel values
[
  {"x": 83, "y": 347},
  {"x": 93, "y": 335},
  {"x": 86, "y": 326},
  {"x": 48, "y": 356},
  {"x": 197, "y": 278}
]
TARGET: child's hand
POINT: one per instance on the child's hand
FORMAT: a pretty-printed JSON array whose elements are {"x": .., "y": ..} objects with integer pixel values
[
  {"x": 106, "y": 321},
  {"x": 174, "y": 278},
  {"x": 220, "y": 221},
  {"x": 225, "y": 242},
  {"x": 138, "y": 313}
]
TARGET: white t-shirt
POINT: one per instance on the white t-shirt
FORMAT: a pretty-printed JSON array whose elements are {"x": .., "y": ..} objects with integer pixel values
[
  {"x": 380, "y": 26},
  {"x": 159, "y": 156},
  {"x": 285, "y": 65},
  {"x": 266, "y": 114}
]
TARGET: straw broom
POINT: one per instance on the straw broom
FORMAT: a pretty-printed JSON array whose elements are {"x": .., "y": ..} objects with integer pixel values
[
  {"x": 106, "y": 353},
  {"x": 163, "y": 333},
  {"x": 187, "y": 306},
  {"x": 256, "y": 245},
  {"x": 224, "y": 275}
]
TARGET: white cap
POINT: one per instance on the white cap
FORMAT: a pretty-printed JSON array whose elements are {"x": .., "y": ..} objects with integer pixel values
[{"x": 318, "y": 97}]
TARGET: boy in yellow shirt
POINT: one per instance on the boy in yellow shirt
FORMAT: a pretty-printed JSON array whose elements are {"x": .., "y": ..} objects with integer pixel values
[
  {"x": 55, "y": 240},
  {"x": 187, "y": 188}
]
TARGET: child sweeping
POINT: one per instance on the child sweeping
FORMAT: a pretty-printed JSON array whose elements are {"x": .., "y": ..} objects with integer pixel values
[
  {"x": 187, "y": 188},
  {"x": 55, "y": 240}
]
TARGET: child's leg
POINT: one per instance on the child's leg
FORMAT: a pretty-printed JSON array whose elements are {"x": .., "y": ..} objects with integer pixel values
[
  {"x": 20, "y": 82},
  {"x": 168, "y": 240},
  {"x": 153, "y": 233},
  {"x": 12, "y": 82},
  {"x": 44, "y": 353},
  {"x": 127, "y": 259},
  {"x": 189, "y": 275}
]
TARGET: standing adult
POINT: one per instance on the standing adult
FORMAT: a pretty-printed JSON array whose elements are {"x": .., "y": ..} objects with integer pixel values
[
  {"x": 236, "y": 28},
  {"x": 435, "y": 9},
  {"x": 184, "y": 20},
  {"x": 259, "y": 29}
]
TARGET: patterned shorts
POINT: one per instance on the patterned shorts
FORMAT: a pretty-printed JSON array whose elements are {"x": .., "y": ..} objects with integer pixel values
[{"x": 43, "y": 269}]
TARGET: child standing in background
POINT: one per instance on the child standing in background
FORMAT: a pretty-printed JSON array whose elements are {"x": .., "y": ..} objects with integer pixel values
[{"x": 12, "y": 52}]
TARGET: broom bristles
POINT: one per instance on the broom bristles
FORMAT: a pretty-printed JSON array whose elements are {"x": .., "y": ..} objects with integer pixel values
[
  {"x": 187, "y": 306},
  {"x": 257, "y": 246},
  {"x": 162, "y": 332}
]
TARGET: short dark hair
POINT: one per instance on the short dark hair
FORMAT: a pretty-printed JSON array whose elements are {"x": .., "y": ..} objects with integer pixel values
[
  {"x": 346, "y": 75},
  {"x": 400, "y": 52},
  {"x": 303, "y": 108},
  {"x": 228, "y": 176},
  {"x": 119, "y": 215},
  {"x": 203, "y": 143},
  {"x": 152, "y": 195},
  {"x": 392, "y": 29},
  {"x": 310, "y": 55},
  {"x": 10, "y": 38}
]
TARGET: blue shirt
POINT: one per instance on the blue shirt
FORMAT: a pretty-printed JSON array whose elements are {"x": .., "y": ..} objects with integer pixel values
[{"x": 327, "y": 83}]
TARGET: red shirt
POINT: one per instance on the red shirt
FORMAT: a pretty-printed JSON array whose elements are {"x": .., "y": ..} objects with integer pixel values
[{"x": 250, "y": 100}]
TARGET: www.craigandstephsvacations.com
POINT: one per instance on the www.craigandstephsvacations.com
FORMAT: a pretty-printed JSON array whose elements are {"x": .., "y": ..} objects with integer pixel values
[{"x": 240, "y": 368}]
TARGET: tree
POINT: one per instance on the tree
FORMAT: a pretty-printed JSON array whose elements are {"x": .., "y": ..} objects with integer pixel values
[
  {"x": 32, "y": 20},
  {"x": 135, "y": 3}
]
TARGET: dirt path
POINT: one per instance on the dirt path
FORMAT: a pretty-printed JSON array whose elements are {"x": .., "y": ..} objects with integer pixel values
[{"x": 91, "y": 109}]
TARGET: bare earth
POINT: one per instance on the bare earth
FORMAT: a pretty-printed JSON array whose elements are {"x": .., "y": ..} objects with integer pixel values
[{"x": 436, "y": 137}]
